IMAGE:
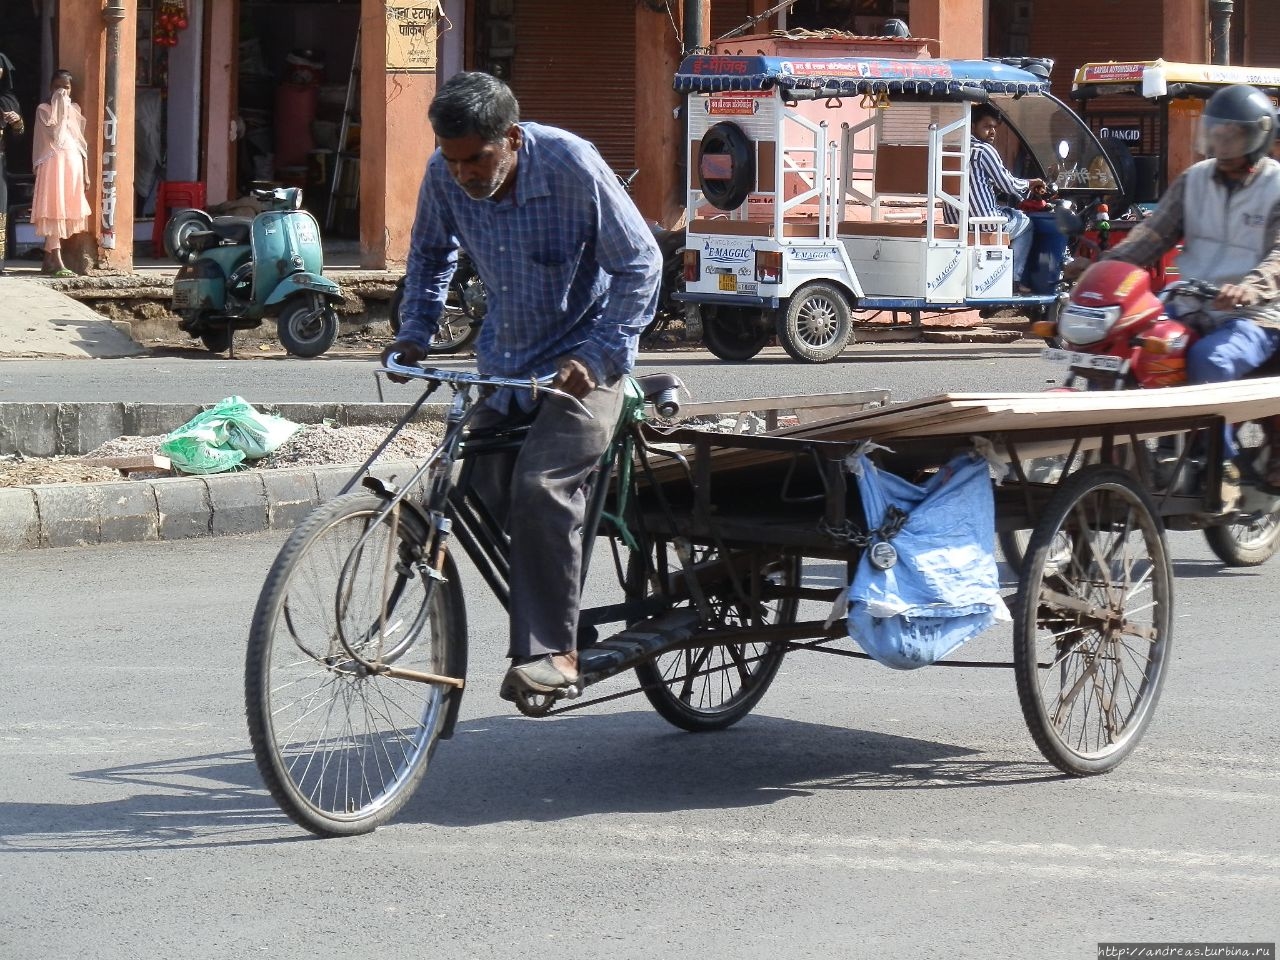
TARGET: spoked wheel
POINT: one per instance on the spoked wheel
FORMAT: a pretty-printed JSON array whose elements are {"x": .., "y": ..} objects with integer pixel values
[
  {"x": 1092, "y": 635},
  {"x": 713, "y": 687},
  {"x": 817, "y": 323},
  {"x": 455, "y": 331},
  {"x": 340, "y": 743},
  {"x": 1250, "y": 539}
]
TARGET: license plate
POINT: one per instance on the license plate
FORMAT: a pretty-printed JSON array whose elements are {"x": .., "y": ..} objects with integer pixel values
[
  {"x": 728, "y": 283},
  {"x": 1087, "y": 361},
  {"x": 182, "y": 297}
]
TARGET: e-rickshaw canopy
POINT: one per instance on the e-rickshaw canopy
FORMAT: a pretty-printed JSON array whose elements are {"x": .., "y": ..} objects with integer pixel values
[
  {"x": 1156, "y": 79},
  {"x": 943, "y": 79}
]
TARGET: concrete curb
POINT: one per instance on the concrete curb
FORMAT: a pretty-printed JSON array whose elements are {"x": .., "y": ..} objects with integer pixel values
[
  {"x": 72, "y": 429},
  {"x": 170, "y": 508},
  {"x": 177, "y": 508}
]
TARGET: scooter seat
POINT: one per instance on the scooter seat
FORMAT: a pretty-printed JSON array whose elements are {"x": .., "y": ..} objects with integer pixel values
[{"x": 232, "y": 229}]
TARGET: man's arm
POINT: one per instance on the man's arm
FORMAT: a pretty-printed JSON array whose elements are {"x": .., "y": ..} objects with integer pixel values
[
  {"x": 989, "y": 165},
  {"x": 1263, "y": 281},
  {"x": 627, "y": 252},
  {"x": 433, "y": 255}
]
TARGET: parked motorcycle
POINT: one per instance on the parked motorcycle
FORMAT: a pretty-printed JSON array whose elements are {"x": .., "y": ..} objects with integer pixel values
[
  {"x": 467, "y": 302},
  {"x": 1117, "y": 334},
  {"x": 465, "y": 306},
  {"x": 237, "y": 271}
]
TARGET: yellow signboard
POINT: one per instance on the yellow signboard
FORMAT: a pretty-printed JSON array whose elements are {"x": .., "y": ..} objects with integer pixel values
[{"x": 412, "y": 26}]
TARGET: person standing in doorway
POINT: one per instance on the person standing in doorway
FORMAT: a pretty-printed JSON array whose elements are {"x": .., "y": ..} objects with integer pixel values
[
  {"x": 60, "y": 157},
  {"x": 10, "y": 126}
]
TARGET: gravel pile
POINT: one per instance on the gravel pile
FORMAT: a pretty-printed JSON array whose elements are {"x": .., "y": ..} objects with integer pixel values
[
  {"x": 319, "y": 444},
  {"x": 313, "y": 446}
]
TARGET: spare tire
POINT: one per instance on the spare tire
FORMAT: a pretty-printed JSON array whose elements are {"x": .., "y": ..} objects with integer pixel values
[
  {"x": 726, "y": 166},
  {"x": 182, "y": 224}
]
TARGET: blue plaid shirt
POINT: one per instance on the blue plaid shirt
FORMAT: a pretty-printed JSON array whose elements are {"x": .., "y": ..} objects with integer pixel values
[{"x": 569, "y": 265}]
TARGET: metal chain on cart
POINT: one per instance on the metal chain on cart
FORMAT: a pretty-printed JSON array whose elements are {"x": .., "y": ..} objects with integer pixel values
[{"x": 883, "y": 555}]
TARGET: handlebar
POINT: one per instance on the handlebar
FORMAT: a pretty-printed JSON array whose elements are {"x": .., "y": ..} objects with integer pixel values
[
  {"x": 470, "y": 381},
  {"x": 1200, "y": 289}
]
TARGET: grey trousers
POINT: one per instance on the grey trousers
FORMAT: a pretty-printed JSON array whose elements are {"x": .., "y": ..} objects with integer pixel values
[{"x": 537, "y": 494}]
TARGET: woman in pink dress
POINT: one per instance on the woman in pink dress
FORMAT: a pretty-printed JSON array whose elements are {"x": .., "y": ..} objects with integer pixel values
[{"x": 60, "y": 156}]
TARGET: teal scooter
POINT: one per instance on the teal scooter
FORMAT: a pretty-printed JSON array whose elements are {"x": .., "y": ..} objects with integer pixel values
[{"x": 237, "y": 271}]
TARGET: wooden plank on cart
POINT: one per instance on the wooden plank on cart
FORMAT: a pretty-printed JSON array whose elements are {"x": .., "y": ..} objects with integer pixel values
[{"x": 1026, "y": 416}]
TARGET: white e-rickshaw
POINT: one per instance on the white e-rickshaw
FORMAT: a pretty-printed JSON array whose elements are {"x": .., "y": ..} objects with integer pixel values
[{"x": 821, "y": 190}]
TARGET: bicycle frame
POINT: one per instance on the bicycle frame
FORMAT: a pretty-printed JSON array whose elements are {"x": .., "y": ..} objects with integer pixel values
[{"x": 452, "y": 509}]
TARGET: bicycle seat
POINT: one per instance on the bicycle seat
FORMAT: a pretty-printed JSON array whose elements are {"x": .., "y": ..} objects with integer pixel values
[{"x": 652, "y": 384}]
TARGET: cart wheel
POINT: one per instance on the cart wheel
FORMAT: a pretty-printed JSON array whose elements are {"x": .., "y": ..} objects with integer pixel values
[
  {"x": 713, "y": 687},
  {"x": 734, "y": 333},
  {"x": 1092, "y": 632},
  {"x": 817, "y": 323},
  {"x": 341, "y": 747}
]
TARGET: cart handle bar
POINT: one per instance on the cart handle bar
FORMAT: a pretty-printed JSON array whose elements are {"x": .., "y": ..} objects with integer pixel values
[{"x": 467, "y": 380}]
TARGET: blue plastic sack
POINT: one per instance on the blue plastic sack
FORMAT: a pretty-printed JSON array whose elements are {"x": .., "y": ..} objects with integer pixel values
[{"x": 944, "y": 587}]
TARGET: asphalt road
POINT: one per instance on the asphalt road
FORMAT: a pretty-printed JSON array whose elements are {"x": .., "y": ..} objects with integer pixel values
[
  {"x": 909, "y": 370},
  {"x": 859, "y": 812}
]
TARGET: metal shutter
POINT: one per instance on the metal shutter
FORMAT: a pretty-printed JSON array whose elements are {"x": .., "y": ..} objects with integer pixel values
[
  {"x": 575, "y": 68},
  {"x": 728, "y": 15}
]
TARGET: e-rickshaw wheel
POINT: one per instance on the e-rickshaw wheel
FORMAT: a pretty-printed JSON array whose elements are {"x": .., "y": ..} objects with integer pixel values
[
  {"x": 817, "y": 323},
  {"x": 711, "y": 687},
  {"x": 341, "y": 744},
  {"x": 734, "y": 333},
  {"x": 1094, "y": 627}
]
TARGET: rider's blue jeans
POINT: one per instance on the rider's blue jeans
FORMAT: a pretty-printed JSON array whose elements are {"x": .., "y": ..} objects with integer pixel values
[
  {"x": 1023, "y": 236},
  {"x": 1237, "y": 348}
]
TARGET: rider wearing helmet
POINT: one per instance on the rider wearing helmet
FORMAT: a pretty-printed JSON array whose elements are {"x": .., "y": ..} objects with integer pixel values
[{"x": 1226, "y": 211}]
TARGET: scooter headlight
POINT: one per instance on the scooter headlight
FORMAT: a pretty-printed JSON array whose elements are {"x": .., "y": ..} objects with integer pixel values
[{"x": 1083, "y": 325}]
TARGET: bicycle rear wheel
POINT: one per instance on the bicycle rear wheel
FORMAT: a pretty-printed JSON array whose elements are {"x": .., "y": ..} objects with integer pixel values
[
  {"x": 712, "y": 687},
  {"x": 340, "y": 745}
]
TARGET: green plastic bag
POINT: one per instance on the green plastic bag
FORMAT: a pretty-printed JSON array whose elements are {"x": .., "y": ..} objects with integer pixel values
[{"x": 224, "y": 436}]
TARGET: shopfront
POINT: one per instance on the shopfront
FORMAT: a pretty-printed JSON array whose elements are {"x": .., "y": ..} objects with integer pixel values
[{"x": 332, "y": 94}]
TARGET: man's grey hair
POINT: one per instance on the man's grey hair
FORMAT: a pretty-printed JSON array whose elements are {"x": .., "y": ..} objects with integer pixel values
[{"x": 473, "y": 104}]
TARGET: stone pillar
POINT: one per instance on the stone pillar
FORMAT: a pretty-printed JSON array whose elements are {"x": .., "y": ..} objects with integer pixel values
[
  {"x": 659, "y": 148},
  {"x": 395, "y": 141},
  {"x": 959, "y": 26},
  {"x": 1186, "y": 40},
  {"x": 82, "y": 49},
  {"x": 221, "y": 95}
]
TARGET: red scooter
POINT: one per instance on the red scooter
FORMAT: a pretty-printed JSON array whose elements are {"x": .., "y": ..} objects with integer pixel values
[{"x": 1117, "y": 334}]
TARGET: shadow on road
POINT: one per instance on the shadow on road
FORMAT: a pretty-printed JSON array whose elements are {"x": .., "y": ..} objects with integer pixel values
[
  {"x": 506, "y": 768},
  {"x": 509, "y": 768}
]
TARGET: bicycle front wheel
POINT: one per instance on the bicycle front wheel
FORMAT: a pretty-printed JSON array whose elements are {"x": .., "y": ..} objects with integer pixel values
[{"x": 340, "y": 744}]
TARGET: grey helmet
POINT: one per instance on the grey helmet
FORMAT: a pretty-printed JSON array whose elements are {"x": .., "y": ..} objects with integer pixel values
[{"x": 1238, "y": 121}]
